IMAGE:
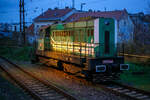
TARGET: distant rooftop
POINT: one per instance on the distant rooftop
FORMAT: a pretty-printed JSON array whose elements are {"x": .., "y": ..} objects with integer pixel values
[
  {"x": 53, "y": 14},
  {"x": 117, "y": 14}
]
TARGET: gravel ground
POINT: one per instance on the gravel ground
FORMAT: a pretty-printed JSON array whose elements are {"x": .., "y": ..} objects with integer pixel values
[
  {"x": 73, "y": 86},
  {"x": 9, "y": 90}
]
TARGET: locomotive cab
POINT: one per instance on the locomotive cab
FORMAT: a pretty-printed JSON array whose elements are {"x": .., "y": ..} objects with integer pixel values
[{"x": 106, "y": 59}]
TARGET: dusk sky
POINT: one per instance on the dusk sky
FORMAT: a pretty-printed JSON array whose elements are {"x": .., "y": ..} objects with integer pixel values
[{"x": 9, "y": 9}]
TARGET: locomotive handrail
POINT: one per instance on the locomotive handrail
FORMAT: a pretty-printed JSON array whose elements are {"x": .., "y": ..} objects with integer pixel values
[
  {"x": 78, "y": 48},
  {"x": 81, "y": 48}
]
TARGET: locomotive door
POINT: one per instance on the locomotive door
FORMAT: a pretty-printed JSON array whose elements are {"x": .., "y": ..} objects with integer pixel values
[
  {"x": 107, "y": 37},
  {"x": 106, "y": 42}
]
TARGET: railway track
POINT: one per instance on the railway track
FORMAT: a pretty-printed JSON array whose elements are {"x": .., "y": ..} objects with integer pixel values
[
  {"x": 40, "y": 93},
  {"x": 126, "y": 91},
  {"x": 37, "y": 88},
  {"x": 120, "y": 89}
]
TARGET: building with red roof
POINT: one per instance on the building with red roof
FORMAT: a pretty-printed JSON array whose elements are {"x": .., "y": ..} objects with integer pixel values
[
  {"x": 52, "y": 16},
  {"x": 125, "y": 26},
  {"x": 118, "y": 14}
]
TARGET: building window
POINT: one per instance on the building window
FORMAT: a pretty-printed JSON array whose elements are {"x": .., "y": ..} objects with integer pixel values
[{"x": 15, "y": 28}]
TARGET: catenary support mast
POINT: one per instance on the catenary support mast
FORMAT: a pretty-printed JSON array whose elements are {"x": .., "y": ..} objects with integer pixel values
[{"x": 22, "y": 21}]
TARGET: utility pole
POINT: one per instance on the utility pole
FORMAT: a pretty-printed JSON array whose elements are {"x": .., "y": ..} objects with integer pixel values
[
  {"x": 73, "y": 4},
  {"x": 22, "y": 21},
  {"x": 105, "y": 9}
]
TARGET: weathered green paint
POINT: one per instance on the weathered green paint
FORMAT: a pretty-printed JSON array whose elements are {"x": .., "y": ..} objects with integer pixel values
[
  {"x": 80, "y": 24},
  {"x": 83, "y": 32},
  {"x": 79, "y": 35},
  {"x": 111, "y": 28},
  {"x": 60, "y": 27}
]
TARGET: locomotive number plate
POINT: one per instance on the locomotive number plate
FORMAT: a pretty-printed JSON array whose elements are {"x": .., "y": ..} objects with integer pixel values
[{"x": 108, "y": 61}]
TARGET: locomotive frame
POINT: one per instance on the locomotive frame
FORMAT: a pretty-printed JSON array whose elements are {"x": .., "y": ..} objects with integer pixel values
[{"x": 86, "y": 48}]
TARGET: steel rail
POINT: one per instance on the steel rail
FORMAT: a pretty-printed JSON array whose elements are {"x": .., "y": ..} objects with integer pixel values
[
  {"x": 126, "y": 91},
  {"x": 114, "y": 87},
  {"x": 29, "y": 89},
  {"x": 121, "y": 90},
  {"x": 118, "y": 89}
]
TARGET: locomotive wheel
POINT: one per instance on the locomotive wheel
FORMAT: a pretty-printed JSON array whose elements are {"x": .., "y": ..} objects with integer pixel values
[
  {"x": 59, "y": 64},
  {"x": 35, "y": 60},
  {"x": 87, "y": 75}
]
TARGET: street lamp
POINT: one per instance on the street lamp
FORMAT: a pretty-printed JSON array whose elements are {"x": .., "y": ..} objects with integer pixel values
[{"x": 82, "y": 4}]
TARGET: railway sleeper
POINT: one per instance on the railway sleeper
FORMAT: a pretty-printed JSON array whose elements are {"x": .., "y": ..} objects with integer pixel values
[
  {"x": 143, "y": 97},
  {"x": 135, "y": 95},
  {"x": 55, "y": 97},
  {"x": 124, "y": 90}
]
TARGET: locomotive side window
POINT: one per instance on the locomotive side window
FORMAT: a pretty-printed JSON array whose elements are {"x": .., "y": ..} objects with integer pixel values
[
  {"x": 53, "y": 34},
  {"x": 107, "y": 39},
  {"x": 88, "y": 32},
  {"x": 92, "y": 32},
  {"x": 92, "y": 35},
  {"x": 81, "y": 36},
  {"x": 76, "y": 36}
]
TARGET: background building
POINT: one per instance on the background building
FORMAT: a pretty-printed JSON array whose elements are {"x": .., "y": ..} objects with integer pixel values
[
  {"x": 125, "y": 26},
  {"x": 141, "y": 28},
  {"x": 52, "y": 16}
]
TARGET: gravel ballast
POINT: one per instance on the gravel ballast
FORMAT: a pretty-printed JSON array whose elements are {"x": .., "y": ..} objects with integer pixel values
[
  {"x": 9, "y": 90},
  {"x": 82, "y": 90}
]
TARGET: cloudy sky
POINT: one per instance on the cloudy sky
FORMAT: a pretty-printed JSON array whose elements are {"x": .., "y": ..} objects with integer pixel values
[{"x": 9, "y": 9}]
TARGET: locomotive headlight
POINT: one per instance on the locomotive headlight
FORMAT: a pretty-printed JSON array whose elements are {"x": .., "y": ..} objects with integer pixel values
[
  {"x": 107, "y": 22},
  {"x": 124, "y": 67},
  {"x": 100, "y": 68}
]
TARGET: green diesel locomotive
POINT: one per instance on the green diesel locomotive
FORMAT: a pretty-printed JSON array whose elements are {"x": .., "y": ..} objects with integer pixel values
[{"x": 87, "y": 48}]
